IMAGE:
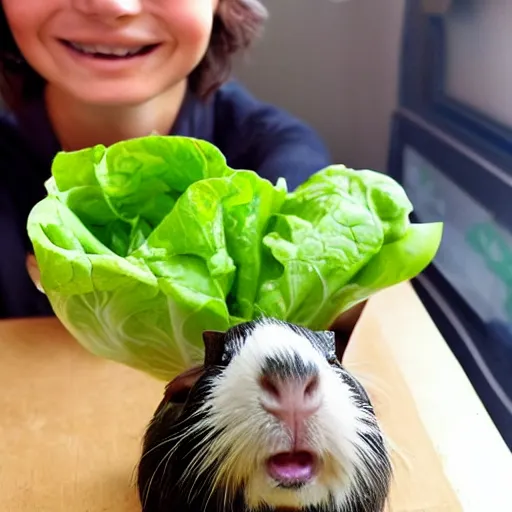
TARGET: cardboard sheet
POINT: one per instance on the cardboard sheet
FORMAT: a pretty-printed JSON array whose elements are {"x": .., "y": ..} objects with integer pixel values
[{"x": 71, "y": 424}]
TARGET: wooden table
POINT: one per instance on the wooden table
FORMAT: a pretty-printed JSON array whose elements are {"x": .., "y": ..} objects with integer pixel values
[{"x": 71, "y": 424}]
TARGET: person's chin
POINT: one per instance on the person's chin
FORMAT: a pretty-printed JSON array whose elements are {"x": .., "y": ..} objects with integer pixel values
[{"x": 120, "y": 95}]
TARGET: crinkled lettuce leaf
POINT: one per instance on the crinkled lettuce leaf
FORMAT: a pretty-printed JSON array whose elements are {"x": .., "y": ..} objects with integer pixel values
[{"x": 144, "y": 245}]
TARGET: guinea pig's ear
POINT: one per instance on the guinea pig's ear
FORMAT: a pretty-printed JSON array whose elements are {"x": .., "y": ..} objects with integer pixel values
[
  {"x": 327, "y": 344},
  {"x": 213, "y": 347},
  {"x": 178, "y": 389}
]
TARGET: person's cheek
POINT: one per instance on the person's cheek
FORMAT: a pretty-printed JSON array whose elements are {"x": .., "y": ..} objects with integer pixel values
[
  {"x": 191, "y": 22},
  {"x": 28, "y": 21},
  {"x": 17, "y": 12},
  {"x": 18, "y": 19}
]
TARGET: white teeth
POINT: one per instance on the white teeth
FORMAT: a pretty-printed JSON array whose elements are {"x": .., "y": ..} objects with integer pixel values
[{"x": 106, "y": 50}]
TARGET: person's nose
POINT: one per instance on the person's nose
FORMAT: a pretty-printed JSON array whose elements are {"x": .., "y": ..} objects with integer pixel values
[{"x": 109, "y": 9}]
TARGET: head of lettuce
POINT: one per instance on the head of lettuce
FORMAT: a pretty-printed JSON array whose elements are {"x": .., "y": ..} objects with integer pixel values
[{"x": 145, "y": 244}]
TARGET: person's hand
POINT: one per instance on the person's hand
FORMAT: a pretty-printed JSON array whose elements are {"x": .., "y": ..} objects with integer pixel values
[{"x": 33, "y": 271}]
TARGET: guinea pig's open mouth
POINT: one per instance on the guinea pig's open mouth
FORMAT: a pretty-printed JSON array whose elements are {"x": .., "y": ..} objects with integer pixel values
[{"x": 292, "y": 469}]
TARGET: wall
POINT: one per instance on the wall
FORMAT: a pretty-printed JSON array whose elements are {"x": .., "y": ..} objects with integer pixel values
[
  {"x": 479, "y": 69},
  {"x": 334, "y": 64}
]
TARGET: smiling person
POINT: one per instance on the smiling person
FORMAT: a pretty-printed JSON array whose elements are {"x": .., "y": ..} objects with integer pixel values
[{"x": 75, "y": 73}]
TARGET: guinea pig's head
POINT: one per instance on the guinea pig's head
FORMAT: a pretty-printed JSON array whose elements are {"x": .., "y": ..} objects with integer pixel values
[{"x": 274, "y": 420}]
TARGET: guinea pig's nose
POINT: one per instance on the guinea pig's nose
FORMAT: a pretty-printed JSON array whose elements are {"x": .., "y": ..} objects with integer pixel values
[{"x": 291, "y": 400}]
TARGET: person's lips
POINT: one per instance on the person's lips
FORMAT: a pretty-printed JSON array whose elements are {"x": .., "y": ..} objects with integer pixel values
[{"x": 110, "y": 51}]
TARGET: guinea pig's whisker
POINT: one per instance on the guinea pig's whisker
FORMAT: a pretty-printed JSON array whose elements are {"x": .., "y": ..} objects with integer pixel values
[
  {"x": 207, "y": 478},
  {"x": 167, "y": 457},
  {"x": 369, "y": 468},
  {"x": 228, "y": 474},
  {"x": 195, "y": 465},
  {"x": 203, "y": 465},
  {"x": 225, "y": 500},
  {"x": 170, "y": 439},
  {"x": 240, "y": 461},
  {"x": 150, "y": 483},
  {"x": 393, "y": 448},
  {"x": 203, "y": 461},
  {"x": 177, "y": 436},
  {"x": 221, "y": 497},
  {"x": 208, "y": 475}
]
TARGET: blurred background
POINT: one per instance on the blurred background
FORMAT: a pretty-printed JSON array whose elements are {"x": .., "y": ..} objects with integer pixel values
[
  {"x": 335, "y": 65},
  {"x": 419, "y": 89}
]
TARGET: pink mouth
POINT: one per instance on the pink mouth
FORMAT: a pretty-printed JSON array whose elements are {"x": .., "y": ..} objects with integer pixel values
[{"x": 292, "y": 469}]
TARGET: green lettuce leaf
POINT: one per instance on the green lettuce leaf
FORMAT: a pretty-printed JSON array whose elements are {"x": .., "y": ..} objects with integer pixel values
[
  {"x": 144, "y": 245},
  {"x": 327, "y": 231}
]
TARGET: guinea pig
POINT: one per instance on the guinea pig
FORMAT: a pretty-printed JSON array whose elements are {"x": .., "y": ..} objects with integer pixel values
[{"x": 271, "y": 422}]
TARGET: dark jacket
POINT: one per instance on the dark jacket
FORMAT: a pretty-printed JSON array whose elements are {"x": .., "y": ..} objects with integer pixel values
[{"x": 251, "y": 134}]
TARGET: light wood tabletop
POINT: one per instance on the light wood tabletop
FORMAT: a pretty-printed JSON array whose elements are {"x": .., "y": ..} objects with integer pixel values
[{"x": 71, "y": 424}]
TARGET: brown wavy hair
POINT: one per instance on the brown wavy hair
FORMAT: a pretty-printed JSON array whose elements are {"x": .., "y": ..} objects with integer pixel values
[{"x": 236, "y": 25}]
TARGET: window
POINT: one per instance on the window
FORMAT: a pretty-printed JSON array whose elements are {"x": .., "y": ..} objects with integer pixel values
[{"x": 475, "y": 256}]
